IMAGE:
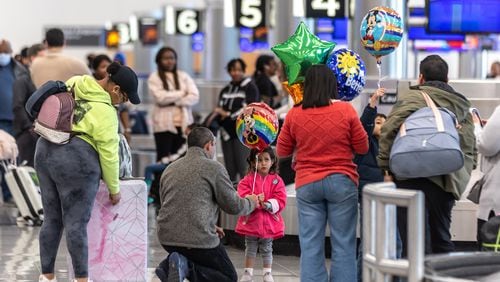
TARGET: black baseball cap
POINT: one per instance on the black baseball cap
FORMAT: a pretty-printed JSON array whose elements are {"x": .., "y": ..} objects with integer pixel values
[{"x": 126, "y": 78}]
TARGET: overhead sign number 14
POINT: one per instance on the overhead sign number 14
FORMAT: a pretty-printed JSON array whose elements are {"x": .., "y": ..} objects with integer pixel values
[{"x": 331, "y": 6}]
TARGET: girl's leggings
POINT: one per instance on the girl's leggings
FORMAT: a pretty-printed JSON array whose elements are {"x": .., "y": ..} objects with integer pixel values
[{"x": 265, "y": 246}]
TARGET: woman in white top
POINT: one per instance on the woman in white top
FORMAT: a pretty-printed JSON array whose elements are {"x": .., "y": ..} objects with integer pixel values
[
  {"x": 489, "y": 147},
  {"x": 174, "y": 93}
]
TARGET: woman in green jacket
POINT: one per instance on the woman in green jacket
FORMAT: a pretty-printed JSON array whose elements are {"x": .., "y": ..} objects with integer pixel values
[{"x": 69, "y": 174}]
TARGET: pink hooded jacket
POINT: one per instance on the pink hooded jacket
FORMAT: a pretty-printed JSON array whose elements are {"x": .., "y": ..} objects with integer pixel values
[{"x": 262, "y": 223}]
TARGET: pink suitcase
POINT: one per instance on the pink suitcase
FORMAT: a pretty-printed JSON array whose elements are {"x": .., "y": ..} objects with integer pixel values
[{"x": 117, "y": 235}]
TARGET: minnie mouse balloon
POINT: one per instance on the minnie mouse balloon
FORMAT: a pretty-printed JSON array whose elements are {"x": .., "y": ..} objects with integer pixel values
[
  {"x": 257, "y": 126},
  {"x": 381, "y": 31},
  {"x": 349, "y": 70}
]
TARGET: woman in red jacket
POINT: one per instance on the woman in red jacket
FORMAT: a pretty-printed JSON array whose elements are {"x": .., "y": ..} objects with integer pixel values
[
  {"x": 265, "y": 223},
  {"x": 324, "y": 134}
]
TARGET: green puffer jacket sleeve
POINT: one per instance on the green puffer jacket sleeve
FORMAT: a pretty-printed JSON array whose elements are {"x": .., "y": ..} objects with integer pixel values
[{"x": 408, "y": 103}]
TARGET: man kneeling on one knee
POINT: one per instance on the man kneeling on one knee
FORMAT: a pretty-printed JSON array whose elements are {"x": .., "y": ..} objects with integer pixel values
[{"x": 192, "y": 190}]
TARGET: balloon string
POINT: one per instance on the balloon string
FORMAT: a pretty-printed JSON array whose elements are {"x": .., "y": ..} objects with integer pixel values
[
  {"x": 253, "y": 185},
  {"x": 255, "y": 175},
  {"x": 379, "y": 67}
]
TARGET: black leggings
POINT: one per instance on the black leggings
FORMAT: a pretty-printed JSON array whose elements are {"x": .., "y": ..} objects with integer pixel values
[
  {"x": 69, "y": 179},
  {"x": 168, "y": 143}
]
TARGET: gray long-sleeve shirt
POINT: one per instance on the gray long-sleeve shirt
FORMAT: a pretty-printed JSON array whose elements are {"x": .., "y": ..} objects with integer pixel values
[{"x": 192, "y": 189}]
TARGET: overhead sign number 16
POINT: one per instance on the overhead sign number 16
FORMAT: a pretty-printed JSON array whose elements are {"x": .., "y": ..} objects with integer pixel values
[{"x": 187, "y": 21}]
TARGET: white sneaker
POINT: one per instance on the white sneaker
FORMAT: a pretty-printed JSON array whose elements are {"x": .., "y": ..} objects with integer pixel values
[
  {"x": 42, "y": 278},
  {"x": 268, "y": 277},
  {"x": 246, "y": 277}
]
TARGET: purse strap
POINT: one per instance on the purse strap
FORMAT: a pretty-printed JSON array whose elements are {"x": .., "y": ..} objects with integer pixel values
[{"x": 437, "y": 115}]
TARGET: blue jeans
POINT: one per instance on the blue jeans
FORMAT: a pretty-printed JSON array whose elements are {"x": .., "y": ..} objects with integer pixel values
[
  {"x": 151, "y": 169},
  {"x": 333, "y": 199}
]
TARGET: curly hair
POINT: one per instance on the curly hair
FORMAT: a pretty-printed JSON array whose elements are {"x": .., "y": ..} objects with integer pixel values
[{"x": 253, "y": 155}]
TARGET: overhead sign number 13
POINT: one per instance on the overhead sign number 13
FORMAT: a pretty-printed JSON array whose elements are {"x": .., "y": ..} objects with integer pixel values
[{"x": 331, "y": 6}]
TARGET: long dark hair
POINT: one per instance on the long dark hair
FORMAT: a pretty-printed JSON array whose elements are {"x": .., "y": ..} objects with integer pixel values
[
  {"x": 320, "y": 86},
  {"x": 253, "y": 155},
  {"x": 161, "y": 70}
]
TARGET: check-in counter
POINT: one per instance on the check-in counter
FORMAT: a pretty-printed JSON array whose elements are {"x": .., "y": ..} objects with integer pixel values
[{"x": 463, "y": 225}]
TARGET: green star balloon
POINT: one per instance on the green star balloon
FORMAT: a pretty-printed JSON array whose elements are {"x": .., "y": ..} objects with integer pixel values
[{"x": 300, "y": 51}]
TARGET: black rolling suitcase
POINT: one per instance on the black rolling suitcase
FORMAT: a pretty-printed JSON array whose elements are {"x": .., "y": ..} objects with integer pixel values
[{"x": 25, "y": 189}]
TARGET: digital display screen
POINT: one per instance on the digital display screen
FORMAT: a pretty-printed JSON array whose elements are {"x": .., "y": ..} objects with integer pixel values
[
  {"x": 331, "y": 29},
  {"x": 419, "y": 33},
  {"x": 463, "y": 16}
]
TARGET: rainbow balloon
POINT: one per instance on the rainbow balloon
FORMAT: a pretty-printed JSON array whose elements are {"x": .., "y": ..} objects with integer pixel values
[
  {"x": 257, "y": 126},
  {"x": 381, "y": 31}
]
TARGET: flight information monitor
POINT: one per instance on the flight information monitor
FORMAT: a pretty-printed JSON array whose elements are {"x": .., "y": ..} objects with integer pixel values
[{"x": 463, "y": 16}]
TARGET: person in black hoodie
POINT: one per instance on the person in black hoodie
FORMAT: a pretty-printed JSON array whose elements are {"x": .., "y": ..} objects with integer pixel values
[
  {"x": 368, "y": 169},
  {"x": 233, "y": 98},
  {"x": 265, "y": 68}
]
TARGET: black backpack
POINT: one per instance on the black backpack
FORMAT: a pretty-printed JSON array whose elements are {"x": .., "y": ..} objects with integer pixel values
[{"x": 51, "y": 87}]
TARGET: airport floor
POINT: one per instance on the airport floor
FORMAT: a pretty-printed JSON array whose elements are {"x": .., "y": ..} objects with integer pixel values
[{"x": 20, "y": 259}]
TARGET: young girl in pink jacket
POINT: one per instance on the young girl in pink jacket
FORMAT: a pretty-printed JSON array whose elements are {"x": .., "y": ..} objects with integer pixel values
[{"x": 265, "y": 224}]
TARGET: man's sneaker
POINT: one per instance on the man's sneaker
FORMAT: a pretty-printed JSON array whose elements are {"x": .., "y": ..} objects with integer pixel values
[
  {"x": 177, "y": 267},
  {"x": 246, "y": 277},
  {"x": 42, "y": 278},
  {"x": 268, "y": 277},
  {"x": 162, "y": 270}
]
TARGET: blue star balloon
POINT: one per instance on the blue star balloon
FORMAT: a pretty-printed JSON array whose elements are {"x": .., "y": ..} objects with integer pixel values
[
  {"x": 300, "y": 51},
  {"x": 350, "y": 71}
]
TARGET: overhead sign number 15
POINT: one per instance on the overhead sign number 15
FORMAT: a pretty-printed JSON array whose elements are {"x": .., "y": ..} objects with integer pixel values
[
  {"x": 331, "y": 6},
  {"x": 251, "y": 14}
]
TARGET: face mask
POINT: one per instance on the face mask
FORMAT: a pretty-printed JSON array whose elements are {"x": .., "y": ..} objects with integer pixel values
[{"x": 4, "y": 59}]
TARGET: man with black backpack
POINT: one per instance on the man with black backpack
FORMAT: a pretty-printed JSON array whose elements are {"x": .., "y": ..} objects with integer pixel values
[{"x": 441, "y": 191}]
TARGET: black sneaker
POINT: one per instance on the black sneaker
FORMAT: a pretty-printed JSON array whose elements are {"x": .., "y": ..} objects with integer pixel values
[
  {"x": 162, "y": 270},
  {"x": 178, "y": 267}
]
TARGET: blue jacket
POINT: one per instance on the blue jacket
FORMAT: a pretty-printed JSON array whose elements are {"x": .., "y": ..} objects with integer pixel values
[
  {"x": 368, "y": 168},
  {"x": 9, "y": 74}
]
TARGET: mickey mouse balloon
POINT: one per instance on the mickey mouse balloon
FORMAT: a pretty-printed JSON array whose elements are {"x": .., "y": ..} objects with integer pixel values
[{"x": 381, "y": 31}]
